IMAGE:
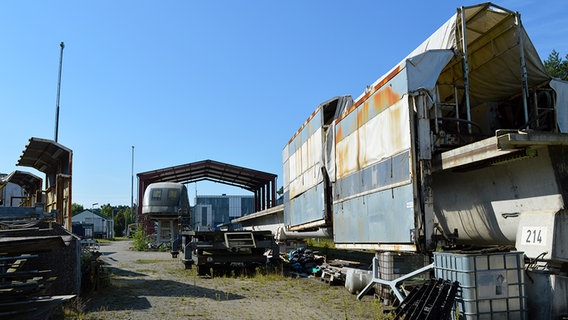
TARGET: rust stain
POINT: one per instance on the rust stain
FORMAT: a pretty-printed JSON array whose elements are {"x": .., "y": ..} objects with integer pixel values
[
  {"x": 385, "y": 98},
  {"x": 391, "y": 75},
  {"x": 339, "y": 133},
  {"x": 363, "y": 114},
  {"x": 304, "y": 124},
  {"x": 341, "y": 161},
  {"x": 386, "y": 79},
  {"x": 396, "y": 125},
  {"x": 307, "y": 146}
]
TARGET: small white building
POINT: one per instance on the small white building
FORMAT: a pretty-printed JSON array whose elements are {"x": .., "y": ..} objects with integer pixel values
[{"x": 102, "y": 225}]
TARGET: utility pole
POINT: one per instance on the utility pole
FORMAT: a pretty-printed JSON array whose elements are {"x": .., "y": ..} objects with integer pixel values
[
  {"x": 62, "y": 45},
  {"x": 132, "y": 189}
]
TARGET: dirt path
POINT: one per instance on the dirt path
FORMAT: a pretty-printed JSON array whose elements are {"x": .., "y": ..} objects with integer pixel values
[{"x": 152, "y": 285}]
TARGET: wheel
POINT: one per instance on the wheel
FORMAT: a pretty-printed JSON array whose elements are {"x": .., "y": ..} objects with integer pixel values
[{"x": 204, "y": 270}]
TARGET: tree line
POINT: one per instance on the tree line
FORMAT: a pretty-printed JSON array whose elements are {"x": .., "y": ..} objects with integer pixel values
[{"x": 557, "y": 67}]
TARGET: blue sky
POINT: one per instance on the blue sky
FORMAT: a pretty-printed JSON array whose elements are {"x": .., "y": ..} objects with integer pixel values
[{"x": 185, "y": 81}]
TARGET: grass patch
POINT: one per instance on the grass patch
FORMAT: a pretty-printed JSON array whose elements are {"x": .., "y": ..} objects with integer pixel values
[
  {"x": 150, "y": 261},
  {"x": 320, "y": 243},
  {"x": 72, "y": 309}
]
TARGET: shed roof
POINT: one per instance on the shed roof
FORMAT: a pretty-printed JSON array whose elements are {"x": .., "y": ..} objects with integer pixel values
[
  {"x": 245, "y": 178},
  {"x": 28, "y": 181},
  {"x": 90, "y": 213},
  {"x": 46, "y": 156},
  {"x": 262, "y": 184}
]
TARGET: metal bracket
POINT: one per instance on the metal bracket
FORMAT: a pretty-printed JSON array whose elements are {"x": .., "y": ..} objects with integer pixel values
[{"x": 393, "y": 283}]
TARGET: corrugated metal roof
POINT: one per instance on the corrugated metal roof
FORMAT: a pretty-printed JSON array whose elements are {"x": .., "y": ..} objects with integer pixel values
[
  {"x": 262, "y": 184},
  {"x": 245, "y": 178}
]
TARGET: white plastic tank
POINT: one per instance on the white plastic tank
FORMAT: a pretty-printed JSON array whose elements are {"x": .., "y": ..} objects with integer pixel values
[{"x": 357, "y": 279}]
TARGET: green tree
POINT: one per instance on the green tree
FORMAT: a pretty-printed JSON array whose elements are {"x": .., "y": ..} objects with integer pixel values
[
  {"x": 556, "y": 66},
  {"x": 119, "y": 223},
  {"x": 106, "y": 210},
  {"x": 76, "y": 208}
]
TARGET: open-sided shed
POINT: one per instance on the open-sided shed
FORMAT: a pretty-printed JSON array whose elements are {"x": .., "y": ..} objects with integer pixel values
[
  {"x": 55, "y": 160},
  {"x": 262, "y": 184}
]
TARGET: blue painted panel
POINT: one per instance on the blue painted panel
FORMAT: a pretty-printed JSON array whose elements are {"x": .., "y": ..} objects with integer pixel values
[
  {"x": 307, "y": 207},
  {"x": 306, "y": 132},
  {"x": 393, "y": 170},
  {"x": 386, "y": 216}
]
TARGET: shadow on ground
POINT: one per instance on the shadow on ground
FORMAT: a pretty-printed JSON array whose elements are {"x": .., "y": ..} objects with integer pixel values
[
  {"x": 124, "y": 273},
  {"x": 131, "y": 294}
]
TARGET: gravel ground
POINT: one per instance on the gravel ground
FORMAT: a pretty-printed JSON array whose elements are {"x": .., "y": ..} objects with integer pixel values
[{"x": 146, "y": 285}]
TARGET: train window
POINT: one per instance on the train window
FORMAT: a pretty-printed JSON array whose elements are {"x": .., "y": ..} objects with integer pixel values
[
  {"x": 172, "y": 194},
  {"x": 157, "y": 194}
]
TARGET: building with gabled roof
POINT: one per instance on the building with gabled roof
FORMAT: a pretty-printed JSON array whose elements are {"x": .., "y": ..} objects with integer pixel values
[{"x": 102, "y": 225}]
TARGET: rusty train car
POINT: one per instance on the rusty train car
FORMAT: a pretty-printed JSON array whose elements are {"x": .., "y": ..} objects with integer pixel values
[{"x": 464, "y": 143}]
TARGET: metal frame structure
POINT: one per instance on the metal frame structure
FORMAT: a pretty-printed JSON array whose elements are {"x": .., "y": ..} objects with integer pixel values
[{"x": 262, "y": 184}]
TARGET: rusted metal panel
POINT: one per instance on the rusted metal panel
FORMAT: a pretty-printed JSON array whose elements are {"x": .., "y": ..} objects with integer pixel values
[
  {"x": 305, "y": 165},
  {"x": 380, "y": 83},
  {"x": 304, "y": 187},
  {"x": 377, "y": 126},
  {"x": 346, "y": 152},
  {"x": 373, "y": 202},
  {"x": 386, "y": 134},
  {"x": 305, "y": 159}
]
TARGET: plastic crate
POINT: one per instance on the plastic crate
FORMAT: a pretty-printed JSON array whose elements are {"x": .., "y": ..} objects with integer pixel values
[
  {"x": 393, "y": 265},
  {"x": 491, "y": 285}
]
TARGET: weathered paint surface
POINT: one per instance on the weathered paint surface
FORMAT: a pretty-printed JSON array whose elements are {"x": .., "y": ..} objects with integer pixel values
[
  {"x": 307, "y": 207},
  {"x": 373, "y": 195},
  {"x": 377, "y": 126},
  {"x": 305, "y": 165},
  {"x": 302, "y": 159},
  {"x": 376, "y": 217},
  {"x": 381, "y": 136}
]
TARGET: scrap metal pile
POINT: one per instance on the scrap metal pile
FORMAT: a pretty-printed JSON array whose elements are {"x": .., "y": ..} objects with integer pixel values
[{"x": 305, "y": 262}]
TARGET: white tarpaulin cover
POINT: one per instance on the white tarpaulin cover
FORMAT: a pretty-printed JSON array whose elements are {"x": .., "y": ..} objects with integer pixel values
[
  {"x": 494, "y": 39},
  {"x": 561, "y": 88},
  {"x": 424, "y": 68}
]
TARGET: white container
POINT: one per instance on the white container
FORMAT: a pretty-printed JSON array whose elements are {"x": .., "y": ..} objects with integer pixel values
[
  {"x": 491, "y": 285},
  {"x": 357, "y": 279}
]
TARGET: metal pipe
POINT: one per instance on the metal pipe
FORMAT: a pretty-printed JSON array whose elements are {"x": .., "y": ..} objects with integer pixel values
[
  {"x": 283, "y": 234},
  {"x": 62, "y": 45},
  {"x": 131, "y": 195},
  {"x": 524, "y": 75},
  {"x": 465, "y": 69}
]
